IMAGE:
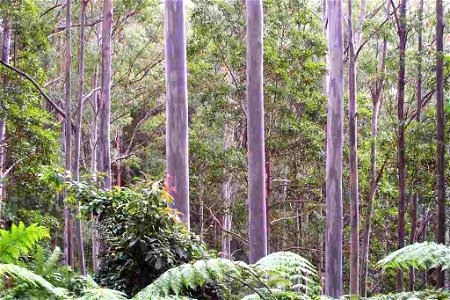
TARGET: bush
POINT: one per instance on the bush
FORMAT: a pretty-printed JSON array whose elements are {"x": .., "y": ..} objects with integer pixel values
[{"x": 142, "y": 237}]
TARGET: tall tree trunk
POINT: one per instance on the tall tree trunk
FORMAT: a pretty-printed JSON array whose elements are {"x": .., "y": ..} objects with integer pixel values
[
  {"x": 353, "y": 159},
  {"x": 227, "y": 194},
  {"x": 76, "y": 165},
  {"x": 412, "y": 235},
  {"x": 412, "y": 238},
  {"x": 94, "y": 155},
  {"x": 105, "y": 103},
  {"x": 6, "y": 49},
  {"x": 334, "y": 213},
  {"x": 440, "y": 157},
  {"x": 68, "y": 220},
  {"x": 377, "y": 93},
  {"x": 401, "y": 165},
  {"x": 177, "y": 108},
  {"x": 255, "y": 132}
]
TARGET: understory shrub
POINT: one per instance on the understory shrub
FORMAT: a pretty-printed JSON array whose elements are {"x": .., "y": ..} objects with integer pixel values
[{"x": 142, "y": 236}]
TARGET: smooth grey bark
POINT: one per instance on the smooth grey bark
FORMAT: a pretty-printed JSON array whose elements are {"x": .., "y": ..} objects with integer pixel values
[
  {"x": 334, "y": 211},
  {"x": 412, "y": 234},
  {"x": 176, "y": 107},
  {"x": 104, "y": 142},
  {"x": 6, "y": 48},
  {"x": 255, "y": 132},
  {"x": 377, "y": 96},
  {"x": 76, "y": 165},
  {"x": 353, "y": 158},
  {"x": 440, "y": 123},
  {"x": 94, "y": 155},
  {"x": 68, "y": 220},
  {"x": 227, "y": 194},
  {"x": 401, "y": 151}
]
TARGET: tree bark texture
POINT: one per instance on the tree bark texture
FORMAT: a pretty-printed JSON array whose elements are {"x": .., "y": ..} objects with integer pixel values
[
  {"x": 68, "y": 220},
  {"x": 440, "y": 119},
  {"x": 104, "y": 163},
  {"x": 334, "y": 210},
  {"x": 227, "y": 194},
  {"x": 353, "y": 159},
  {"x": 401, "y": 165},
  {"x": 6, "y": 49},
  {"x": 255, "y": 132},
  {"x": 176, "y": 107},
  {"x": 76, "y": 165}
]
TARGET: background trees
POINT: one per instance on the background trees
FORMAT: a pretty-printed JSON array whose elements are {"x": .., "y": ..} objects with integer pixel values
[{"x": 216, "y": 117}]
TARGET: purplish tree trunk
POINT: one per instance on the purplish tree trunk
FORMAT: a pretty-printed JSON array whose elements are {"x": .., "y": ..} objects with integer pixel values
[
  {"x": 68, "y": 220},
  {"x": 334, "y": 209},
  {"x": 104, "y": 142},
  {"x": 440, "y": 157},
  {"x": 76, "y": 165},
  {"x": 255, "y": 132},
  {"x": 176, "y": 107}
]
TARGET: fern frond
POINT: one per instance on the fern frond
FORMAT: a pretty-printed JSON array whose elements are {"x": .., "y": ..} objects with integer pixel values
[
  {"x": 423, "y": 256},
  {"x": 416, "y": 295},
  {"x": 178, "y": 280},
  {"x": 287, "y": 271},
  {"x": 31, "y": 278},
  {"x": 274, "y": 294},
  {"x": 19, "y": 240}
]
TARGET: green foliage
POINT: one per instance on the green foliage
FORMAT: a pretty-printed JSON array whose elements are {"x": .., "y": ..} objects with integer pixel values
[
  {"x": 29, "y": 281},
  {"x": 282, "y": 275},
  {"x": 143, "y": 236},
  {"x": 424, "y": 256},
  {"x": 417, "y": 295},
  {"x": 19, "y": 240}
]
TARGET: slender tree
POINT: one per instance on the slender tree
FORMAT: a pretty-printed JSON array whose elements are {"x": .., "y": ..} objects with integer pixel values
[
  {"x": 104, "y": 147},
  {"x": 76, "y": 165},
  {"x": 94, "y": 155},
  {"x": 401, "y": 165},
  {"x": 440, "y": 157},
  {"x": 376, "y": 92},
  {"x": 412, "y": 233},
  {"x": 255, "y": 132},
  {"x": 334, "y": 212},
  {"x": 176, "y": 107},
  {"x": 6, "y": 48},
  {"x": 68, "y": 220},
  {"x": 227, "y": 194}
]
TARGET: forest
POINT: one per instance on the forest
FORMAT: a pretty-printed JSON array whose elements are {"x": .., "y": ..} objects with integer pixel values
[{"x": 224, "y": 149}]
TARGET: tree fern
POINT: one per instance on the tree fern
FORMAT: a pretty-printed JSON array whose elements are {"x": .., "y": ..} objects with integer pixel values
[
  {"x": 94, "y": 292},
  {"x": 282, "y": 272},
  {"x": 424, "y": 255},
  {"x": 178, "y": 280},
  {"x": 287, "y": 271},
  {"x": 19, "y": 240},
  {"x": 422, "y": 295},
  {"x": 25, "y": 275}
]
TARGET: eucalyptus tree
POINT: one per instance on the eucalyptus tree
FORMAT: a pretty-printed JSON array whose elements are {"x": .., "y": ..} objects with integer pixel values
[
  {"x": 176, "y": 107},
  {"x": 6, "y": 48},
  {"x": 334, "y": 211},
  {"x": 68, "y": 220},
  {"x": 79, "y": 116},
  {"x": 104, "y": 139},
  {"x": 255, "y": 132},
  {"x": 353, "y": 45},
  {"x": 440, "y": 119},
  {"x": 401, "y": 165}
]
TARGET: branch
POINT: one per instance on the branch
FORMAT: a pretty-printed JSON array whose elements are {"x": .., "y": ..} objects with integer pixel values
[
  {"x": 38, "y": 87},
  {"x": 88, "y": 95},
  {"x": 223, "y": 229}
]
